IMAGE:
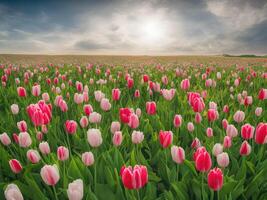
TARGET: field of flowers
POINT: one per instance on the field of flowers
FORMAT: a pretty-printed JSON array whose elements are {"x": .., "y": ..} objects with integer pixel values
[{"x": 95, "y": 131}]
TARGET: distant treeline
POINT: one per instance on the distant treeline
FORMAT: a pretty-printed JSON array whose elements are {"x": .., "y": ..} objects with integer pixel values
[{"x": 245, "y": 55}]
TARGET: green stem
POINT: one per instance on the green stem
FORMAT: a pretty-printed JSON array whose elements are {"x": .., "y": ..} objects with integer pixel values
[
  {"x": 177, "y": 172},
  {"x": 138, "y": 195},
  {"x": 202, "y": 185},
  {"x": 218, "y": 195},
  {"x": 54, "y": 190},
  {"x": 95, "y": 170},
  {"x": 212, "y": 195}
]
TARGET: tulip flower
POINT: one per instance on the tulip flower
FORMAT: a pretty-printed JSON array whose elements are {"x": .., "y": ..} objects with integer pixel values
[
  {"x": 117, "y": 138},
  {"x": 261, "y": 133},
  {"x": 137, "y": 137},
  {"x": 217, "y": 149},
  {"x": 227, "y": 142},
  {"x": 262, "y": 94},
  {"x": 33, "y": 156},
  {"x": 36, "y": 90},
  {"x": 239, "y": 116},
  {"x": 185, "y": 84},
  {"x": 15, "y": 166},
  {"x": 50, "y": 174},
  {"x": 105, "y": 105},
  {"x": 215, "y": 179},
  {"x": 12, "y": 192},
  {"x": 223, "y": 159},
  {"x": 62, "y": 153},
  {"x": 177, "y": 121},
  {"x": 133, "y": 121},
  {"x": 24, "y": 139},
  {"x": 88, "y": 158},
  {"x": 87, "y": 109},
  {"x": 151, "y": 108},
  {"x": 71, "y": 126},
  {"x": 5, "y": 139},
  {"x": 21, "y": 92},
  {"x": 134, "y": 177},
  {"x": 75, "y": 190},
  {"x": 168, "y": 94},
  {"x": 165, "y": 138},
  {"x": 245, "y": 149},
  {"x": 94, "y": 137},
  {"x": 178, "y": 154},
  {"x": 203, "y": 162},
  {"x": 116, "y": 93},
  {"x": 247, "y": 131},
  {"x": 258, "y": 111},
  {"x": 44, "y": 148},
  {"x": 125, "y": 115},
  {"x": 22, "y": 126},
  {"x": 84, "y": 121},
  {"x": 14, "y": 109},
  {"x": 95, "y": 118}
]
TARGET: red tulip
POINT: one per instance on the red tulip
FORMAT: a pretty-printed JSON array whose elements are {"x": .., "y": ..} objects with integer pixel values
[
  {"x": 165, "y": 138},
  {"x": 261, "y": 133},
  {"x": 177, "y": 121},
  {"x": 198, "y": 104},
  {"x": 15, "y": 166},
  {"x": 262, "y": 94},
  {"x": 62, "y": 153},
  {"x": 21, "y": 92},
  {"x": 87, "y": 109},
  {"x": 134, "y": 178},
  {"x": 212, "y": 115},
  {"x": 130, "y": 83},
  {"x": 125, "y": 115},
  {"x": 185, "y": 84},
  {"x": 203, "y": 162},
  {"x": 245, "y": 149},
  {"x": 151, "y": 107},
  {"x": 116, "y": 94},
  {"x": 40, "y": 113},
  {"x": 145, "y": 78},
  {"x": 71, "y": 126},
  {"x": 215, "y": 179},
  {"x": 247, "y": 131}
]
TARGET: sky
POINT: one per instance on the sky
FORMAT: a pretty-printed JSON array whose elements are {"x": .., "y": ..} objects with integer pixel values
[{"x": 134, "y": 27}]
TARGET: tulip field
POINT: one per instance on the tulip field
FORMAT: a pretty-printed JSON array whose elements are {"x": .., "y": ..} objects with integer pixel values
[{"x": 146, "y": 131}]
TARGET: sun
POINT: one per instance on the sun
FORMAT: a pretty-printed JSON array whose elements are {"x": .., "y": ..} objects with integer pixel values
[{"x": 151, "y": 31}]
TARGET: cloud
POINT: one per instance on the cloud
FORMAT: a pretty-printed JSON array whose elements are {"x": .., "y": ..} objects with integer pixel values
[{"x": 136, "y": 27}]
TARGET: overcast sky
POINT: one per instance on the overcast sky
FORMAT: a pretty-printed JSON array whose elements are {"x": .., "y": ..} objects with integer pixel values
[{"x": 134, "y": 27}]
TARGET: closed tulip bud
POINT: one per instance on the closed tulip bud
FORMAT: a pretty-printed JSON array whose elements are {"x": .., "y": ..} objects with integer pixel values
[
  {"x": 115, "y": 126},
  {"x": 134, "y": 178},
  {"x": 62, "y": 153},
  {"x": 88, "y": 158},
  {"x": 50, "y": 174},
  {"x": 248, "y": 100},
  {"x": 95, "y": 118},
  {"x": 247, "y": 131},
  {"x": 203, "y": 162},
  {"x": 177, "y": 121},
  {"x": 217, "y": 149},
  {"x": 15, "y": 166},
  {"x": 212, "y": 115},
  {"x": 209, "y": 132},
  {"x": 215, "y": 179},
  {"x": 239, "y": 116},
  {"x": 130, "y": 83},
  {"x": 133, "y": 121},
  {"x": 5, "y": 139},
  {"x": 177, "y": 154},
  {"x": 21, "y": 92},
  {"x": 136, "y": 93},
  {"x": 190, "y": 127},
  {"x": 212, "y": 105},
  {"x": 231, "y": 131},
  {"x": 116, "y": 93},
  {"x": 137, "y": 137},
  {"x": 24, "y": 139},
  {"x": 168, "y": 94},
  {"x": 12, "y": 192},
  {"x": 165, "y": 138},
  {"x": 94, "y": 137},
  {"x": 39, "y": 136},
  {"x": 99, "y": 95},
  {"x": 22, "y": 126},
  {"x": 245, "y": 149},
  {"x": 44, "y": 148},
  {"x": 262, "y": 94},
  {"x": 36, "y": 90},
  {"x": 185, "y": 84},
  {"x": 84, "y": 122},
  {"x": 125, "y": 115},
  {"x": 14, "y": 109},
  {"x": 33, "y": 156},
  {"x": 261, "y": 133},
  {"x": 226, "y": 109},
  {"x": 224, "y": 123},
  {"x": 105, "y": 105},
  {"x": 87, "y": 109},
  {"x": 117, "y": 138},
  {"x": 138, "y": 112},
  {"x": 197, "y": 104},
  {"x": 75, "y": 190},
  {"x": 198, "y": 118},
  {"x": 258, "y": 111},
  {"x": 78, "y": 98},
  {"x": 151, "y": 107},
  {"x": 227, "y": 142},
  {"x": 195, "y": 143},
  {"x": 45, "y": 97},
  {"x": 71, "y": 126},
  {"x": 223, "y": 159}
]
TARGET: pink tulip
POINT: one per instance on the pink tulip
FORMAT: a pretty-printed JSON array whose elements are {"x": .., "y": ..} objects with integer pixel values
[
  {"x": 136, "y": 93},
  {"x": 40, "y": 113},
  {"x": 115, "y": 126},
  {"x": 95, "y": 118},
  {"x": 226, "y": 109},
  {"x": 261, "y": 133},
  {"x": 24, "y": 140},
  {"x": 151, "y": 107},
  {"x": 130, "y": 83},
  {"x": 165, "y": 138},
  {"x": 5, "y": 139},
  {"x": 88, "y": 158},
  {"x": 190, "y": 127},
  {"x": 185, "y": 84},
  {"x": 231, "y": 131},
  {"x": 79, "y": 86},
  {"x": 212, "y": 115},
  {"x": 71, "y": 126},
  {"x": 138, "y": 112},
  {"x": 245, "y": 149},
  {"x": 39, "y": 136},
  {"x": 36, "y": 90},
  {"x": 94, "y": 137},
  {"x": 258, "y": 111},
  {"x": 44, "y": 148},
  {"x": 217, "y": 149},
  {"x": 78, "y": 98},
  {"x": 62, "y": 153},
  {"x": 50, "y": 174},
  {"x": 195, "y": 143},
  {"x": 224, "y": 123},
  {"x": 262, "y": 94},
  {"x": 105, "y": 105},
  {"x": 22, "y": 126},
  {"x": 239, "y": 116},
  {"x": 12, "y": 192},
  {"x": 45, "y": 97},
  {"x": 223, "y": 159},
  {"x": 227, "y": 142},
  {"x": 84, "y": 122},
  {"x": 137, "y": 137},
  {"x": 177, "y": 121},
  {"x": 198, "y": 118},
  {"x": 15, "y": 166},
  {"x": 209, "y": 132},
  {"x": 33, "y": 156},
  {"x": 75, "y": 190},
  {"x": 117, "y": 138},
  {"x": 88, "y": 109},
  {"x": 99, "y": 95},
  {"x": 133, "y": 121},
  {"x": 85, "y": 97},
  {"x": 178, "y": 154},
  {"x": 215, "y": 179},
  {"x": 203, "y": 162},
  {"x": 116, "y": 93},
  {"x": 168, "y": 94}
]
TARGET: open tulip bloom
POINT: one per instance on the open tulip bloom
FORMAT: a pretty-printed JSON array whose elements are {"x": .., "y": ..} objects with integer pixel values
[{"x": 117, "y": 130}]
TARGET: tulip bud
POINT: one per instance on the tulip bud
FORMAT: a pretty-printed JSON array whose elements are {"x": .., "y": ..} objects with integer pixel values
[
  {"x": 165, "y": 138},
  {"x": 94, "y": 137},
  {"x": 12, "y": 192},
  {"x": 33, "y": 156},
  {"x": 223, "y": 159},
  {"x": 227, "y": 142},
  {"x": 190, "y": 127},
  {"x": 14, "y": 109},
  {"x": 117, "y": 138},
  {"x": 62, "y": 153},
  {"x": 258, "y": 111},
  {"x": 217, "y": 149},
  {"x": 15, "y": 166},
  {"x": 75, "y": 190},
  {"x": 44, "y": 148},
  {"x": 137, "y": 137},
  {"x": 50, "y": 174},
  {"x": 177, "y": 121},
  {"x": 88, "y": 158},
  {"x": 24, "y": 139},
  {"x": 245, "y": 149},
  {"x": 215, "y": 179},
  {"x": 178, "y": 154},
  {"x": 209, "y": 132},
  {"x": 5, "y": 139}
]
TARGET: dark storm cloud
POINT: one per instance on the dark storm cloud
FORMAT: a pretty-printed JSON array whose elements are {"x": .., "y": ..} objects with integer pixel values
[{"x": 134, "y": 26}]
